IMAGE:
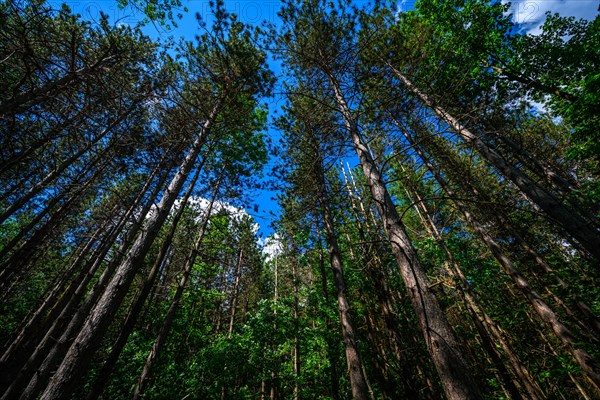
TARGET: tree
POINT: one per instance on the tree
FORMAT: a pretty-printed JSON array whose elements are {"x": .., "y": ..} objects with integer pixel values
[
  {"x": 318, "y": 43},
  {"x": 305, "y": 131}
]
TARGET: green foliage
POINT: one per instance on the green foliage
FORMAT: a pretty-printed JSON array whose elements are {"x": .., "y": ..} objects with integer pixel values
[{"x": 164, "y": 12}]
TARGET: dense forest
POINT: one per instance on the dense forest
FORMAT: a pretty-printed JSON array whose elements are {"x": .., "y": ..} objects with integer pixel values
[{"x": 437, "y": 176}]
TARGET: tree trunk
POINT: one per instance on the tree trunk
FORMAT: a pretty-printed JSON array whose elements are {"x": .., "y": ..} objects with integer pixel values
[
  {"x": 23, "y": 101},
  {"x": 358, "y": 382},
  {"x": 331, "y": 352},
  {"x": 380, "y": 281},
  {"x": 22, "y": 156},
  {"x": 49, "y": 350},
  {"x": 21, "y": 259},
  {"x": 79, "y": 355},
  {"x": 535, "y": 84},
  {"x": 585, "y": 232},
  {"x": 546, "y": 314},
  {"x": 138, "y": 304},
  {"x": 235, "y": 290},
  {"x": 37, "y": 188},
  {"x": 453, "y": 371},
  {"x": 166, "y": 326},
  {"x": 296, "y": 352},
  {"x": 486, "y": 328}
]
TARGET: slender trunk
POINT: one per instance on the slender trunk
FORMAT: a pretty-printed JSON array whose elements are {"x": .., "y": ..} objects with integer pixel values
[
  {"x": 21, "y": 259},
  {"x": 138, "y": 304},
  {"x": 331, "y": 352},
  {"x": 485, "y": 326},
  {"x": 512, "y": 234},
  {"x": 33, "y": 324},
  {"x": 54, "y": 132},
  {"x": 166, "y": 326},
  {"x": 30, "y": 333},
  {"x": 23, "y": 101},
  {"x": 19, "y": 186},
  {"x": 381, "y": 286},
  {"x": 79, "y": 355},
  {"x": 546, "y": 314},
  {"x": 50, "y": 177},
  {"x": 559, "y": 182},
  {"x": 47, "y": 349},
  {"x": 80, "y": 179},
  {"x": 583, "y": 391},
  {"x": 453, "y": 371},
  {"x": 235, "y": 290},
  {"x": 387, "y": 382},
  {"x": 273, "y": 389},
  {"x": 570, "y": 220},
  {"x": 357, "y": 379},
  {"x": 296, "y": 357},
  {"x": 536, "y": 84}
]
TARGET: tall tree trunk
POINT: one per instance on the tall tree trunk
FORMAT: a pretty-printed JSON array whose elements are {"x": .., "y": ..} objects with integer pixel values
[
  {"x": 235, "y": 290},
  {"x": 380, "y": 281},
  {"x": 453, "y": 371},
  {"x": 166, "y": 326},
  {"x": 22, "y": 156},
  {"x": 486, "y": 328},
  {"x": 585, "y": 232},
  {"x": 21, "y": 260},
  {"x": 79, "y": 355},
  {"x": 357, "y": 379},
  {"x": 558, "y": 182},
  {"x": 546, "y": 314},
  {"x": 54, "y": 174},
  {"x": 33, "y": 324},
  {"x": 296, "y": 355},
  {"x": 512, "y": 232},
  {"x": 138, "y": 304},
  {"x": 95, "y": 166},
  {"x": 25, "y": 100},
  {"x": 331, "y": 352},
  {"x": 49, "y": 347}
]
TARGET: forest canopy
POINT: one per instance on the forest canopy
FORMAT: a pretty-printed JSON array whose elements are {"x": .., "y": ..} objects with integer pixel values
[{"x": 437, "y": 179}]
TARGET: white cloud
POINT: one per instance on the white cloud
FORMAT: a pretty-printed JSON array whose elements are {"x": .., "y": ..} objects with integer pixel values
[
  {"x": 202, "y": 204},
  {"x": 272, "y": 246},
  {"x": 530, "y": 14}
]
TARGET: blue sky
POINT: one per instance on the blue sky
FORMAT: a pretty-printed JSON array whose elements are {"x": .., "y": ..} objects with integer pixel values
[
  {"x": 251, "y": 12},
  {"x": 529, "y": 14}
]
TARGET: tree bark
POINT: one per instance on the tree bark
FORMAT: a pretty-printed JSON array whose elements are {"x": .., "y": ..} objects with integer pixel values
[
  {"x": 381, "y": 286},
  {"x": 138, "y": 304},
  {"x": 546, "y": 314},
  {"x": 585, "y": 232},
  {"x": 486, "y": 328},
  {"x": 453, "y": 371},
  {"x": 166, "y": 326},
  {"x": 358, "y": 381},
  {"x": 23, "y": 101},
  {"x": 235, "y": 290},
  {"x": 38, "y": 187},
  {"x": 68, "y": 314},
  {"x": 331, "y": 352},
  {"x": 78, "y": 357},
  {"x": 21, "y": 259}
]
